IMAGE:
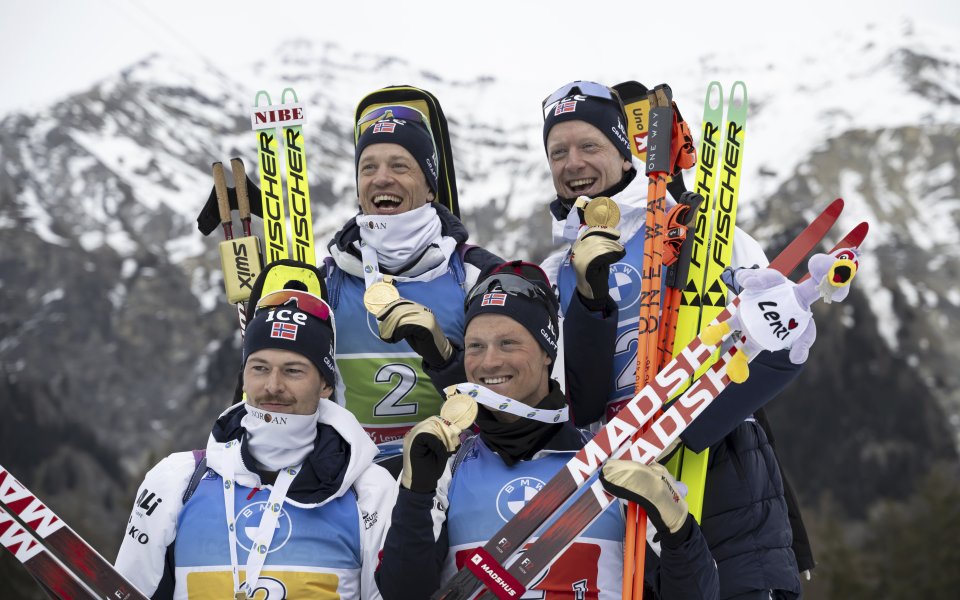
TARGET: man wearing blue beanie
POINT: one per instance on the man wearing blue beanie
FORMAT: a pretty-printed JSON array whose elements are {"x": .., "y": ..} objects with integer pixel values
[{"x": 285, "y": 498}]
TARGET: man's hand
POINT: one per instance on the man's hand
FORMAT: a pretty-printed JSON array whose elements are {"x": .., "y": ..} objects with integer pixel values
[
  {"x": 428, "y": 445},
  {"x": 592, "y": 255},
  {"x": 415, "y": 323}
]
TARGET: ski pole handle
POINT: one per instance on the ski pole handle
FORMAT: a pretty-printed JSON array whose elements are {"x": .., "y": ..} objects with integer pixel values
[
  {"x": 223, "y": 200},
  {"x": 240, "y": 183}
]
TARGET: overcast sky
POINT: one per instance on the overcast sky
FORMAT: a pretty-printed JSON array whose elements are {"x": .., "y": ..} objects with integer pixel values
[{"x": 51, "y": 48}]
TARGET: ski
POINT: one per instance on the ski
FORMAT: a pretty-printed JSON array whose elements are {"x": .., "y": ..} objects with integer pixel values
[
  {"x": 264, "y": 121},
  {"x": 717, "y": 251},
  {"x": 298, "y": 189},
  {"x": 588, "y": 459},
  {"x": 50, "y": 574},
  {"x": 667, "y": 428},
  {"x": 27, "y": 514}
]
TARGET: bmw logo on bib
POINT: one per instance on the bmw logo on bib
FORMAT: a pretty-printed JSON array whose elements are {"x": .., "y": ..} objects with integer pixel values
[
  {"x": 515, "y": 494},
  {"x": 625, "y": 282},
  {"x": 248, "y": 521}
]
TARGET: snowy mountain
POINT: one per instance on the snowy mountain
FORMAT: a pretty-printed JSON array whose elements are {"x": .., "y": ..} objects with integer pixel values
[{"x": 115, "y": 339}]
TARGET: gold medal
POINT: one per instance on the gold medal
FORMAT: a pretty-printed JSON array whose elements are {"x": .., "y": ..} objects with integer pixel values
[
  {"x": 379, "y": 295},
  {"x": 602, "y": 212},
  {"x": 460, "y": 410}
]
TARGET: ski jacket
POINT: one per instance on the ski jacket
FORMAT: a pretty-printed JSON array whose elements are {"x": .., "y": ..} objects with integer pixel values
[
  {"x": 328, "y": 535},
  {"x": 745, "y": 516},
  {"x": 479, "y": 491},
  {"x": 625, "y": 282},
  {"x": 385, "y": 386}
]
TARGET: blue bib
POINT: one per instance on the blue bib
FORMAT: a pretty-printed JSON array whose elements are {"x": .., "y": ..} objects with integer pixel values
[
  {"x": 314, "y": 553},
  {"x": 625, "y": 282},
  {"x": 386, "y": 388}
]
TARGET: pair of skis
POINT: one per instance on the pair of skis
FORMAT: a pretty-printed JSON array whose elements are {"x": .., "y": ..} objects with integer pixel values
[
  {"x": 704, "y": 294},
  {"x": 61, "y": 561},
  {"x": 485, "y": 565},
  {"x": 280, "y": 127}
]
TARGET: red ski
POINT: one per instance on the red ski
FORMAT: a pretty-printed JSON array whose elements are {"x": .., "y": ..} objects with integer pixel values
[{"x": 51, "y": 538}]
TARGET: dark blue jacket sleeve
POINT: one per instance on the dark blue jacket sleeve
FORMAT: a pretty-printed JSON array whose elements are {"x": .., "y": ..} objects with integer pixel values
[
  {"x": 406, "y": 569},
  {"x": 686, "y": 568},
  {"x": 451, "y": 373},
  {"x": 770, "y": 373},
  {"x": 589, "y": 340}
]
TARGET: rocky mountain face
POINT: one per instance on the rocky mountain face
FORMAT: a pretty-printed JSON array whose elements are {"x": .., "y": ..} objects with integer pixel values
[{"x": 117, "y": 347}]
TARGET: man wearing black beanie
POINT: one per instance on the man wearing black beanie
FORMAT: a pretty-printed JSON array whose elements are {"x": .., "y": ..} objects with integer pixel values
[
  {"x": 404, "y": 244},
  {"x": 285, "y": 495},
  {"x": 588, "y": 154},
  {"x": 449, "y": 505}
]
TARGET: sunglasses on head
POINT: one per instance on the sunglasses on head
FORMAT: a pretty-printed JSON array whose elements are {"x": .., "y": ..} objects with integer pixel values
[
  {"x": 393, "y": 111},
  {"x": 304, "y": 301},
  {"x": 514, "y": 285},
  {"x": 591, "y": 89}
]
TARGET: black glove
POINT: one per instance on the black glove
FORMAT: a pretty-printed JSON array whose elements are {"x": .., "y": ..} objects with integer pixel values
[
  {"x": 429, "y": 444},
  {"x": 415, "y": 323},
  {"x": 650, "y": 486},
  {"x": 592, "y": 255}
]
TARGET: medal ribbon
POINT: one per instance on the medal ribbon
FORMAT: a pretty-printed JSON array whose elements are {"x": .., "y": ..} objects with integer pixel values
[
  {"x": 265, "y": 532},
  {"x": 495, "y": 401}
]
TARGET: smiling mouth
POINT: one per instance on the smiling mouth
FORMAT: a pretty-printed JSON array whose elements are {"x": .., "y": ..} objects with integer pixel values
[
  {"x": 386, "y": 201},
  {"x": 581, "y": 185},
  {"x": 495, "y": 380}
]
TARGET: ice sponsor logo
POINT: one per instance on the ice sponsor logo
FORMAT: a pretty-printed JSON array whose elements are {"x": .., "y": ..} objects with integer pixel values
[
  {"x": 248, "y": 522},
  {"x": 625, "y": 282},
  {"x": 515, "y": 494}
]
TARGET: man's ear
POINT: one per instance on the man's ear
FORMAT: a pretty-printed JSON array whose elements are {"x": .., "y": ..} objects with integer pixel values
[
  {"x": 431, "y": 196},
  {"x": 326, "y": 391},
  {"x": 627, "y": 165}
]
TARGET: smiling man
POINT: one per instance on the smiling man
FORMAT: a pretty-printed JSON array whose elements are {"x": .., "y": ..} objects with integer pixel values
[
  {"x": 416, "y": 248},
  {"x": 447, "y": 506},
  {"x": 286, "y": 501},
  {"x": 745, "y": 514}
]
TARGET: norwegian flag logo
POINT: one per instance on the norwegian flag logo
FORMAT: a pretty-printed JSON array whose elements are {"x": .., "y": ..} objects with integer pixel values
[
  {"x": 565, "y": 107},
  {"x": 284, "y": 331},
  {"x": 494, "y": 299},
  {"x": 384, "y": 127}
]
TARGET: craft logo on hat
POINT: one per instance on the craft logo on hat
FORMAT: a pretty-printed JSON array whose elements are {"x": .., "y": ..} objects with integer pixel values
[
  {"x": 494, "y": 299},
  {"x": 620, "y": 132},
  {"x": 384, "y": 127},
  {"x": 284, "y": 331},
  {"x": 567, "y": 105}
]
